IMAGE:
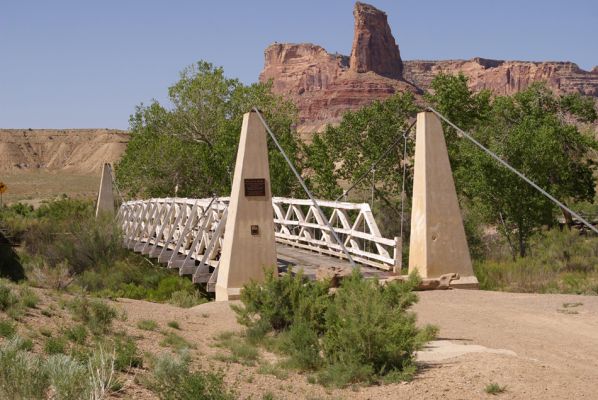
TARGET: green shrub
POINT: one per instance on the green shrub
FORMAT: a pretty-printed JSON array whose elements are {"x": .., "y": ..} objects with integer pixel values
[
  {"x": 147, "y": 325},
  {"x": 55, "y": 345},
  {"x": 340, "y": 374},
  {"x": 126, "y": 354},
  {"x": 302, "y": 344},
  {"x": 26, "y": 344},
  {"x": 559, "y": 262},
  {"x": 7, "y": 297},
  {"x": 364, "y": 332},
  {"x": 369, "y": 330},
  {"x": 41, "y": 274},
  {"x": 132, "y": 277},
  {"x": 241, "y": 351},
  {"x": 68, "y": 378},
  {"x": 67, "y": 230},
  {"x": 7, "y": 328},
  {"x": 174, "y": 325},
  {"x": 278, "y": 370},
  {"x": 76, "y": 334},
  {"x": 175, "y": 341},
  {"x": 45, "y": 331},
  {"x": 279, "y": 301},
  {"x": 95, "y": 314},
  {"x": 171, "y": 379},
  {"x": 171, "y": 284},
  {"x": 23, "y": 375},
  {"x": 28, "y": 297},
  {"x": 494, "y": 388},
  {"x": 185, "y": 299}
]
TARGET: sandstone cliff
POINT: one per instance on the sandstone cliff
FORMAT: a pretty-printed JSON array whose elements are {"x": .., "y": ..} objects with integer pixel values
[
  {"x": 374, "y": 48},
  {"x": 80, "y": 151},
  {"x": 507, "y": 77},
  {"x": 324, "y": 86},
  {"x": 321, "y": 84}
]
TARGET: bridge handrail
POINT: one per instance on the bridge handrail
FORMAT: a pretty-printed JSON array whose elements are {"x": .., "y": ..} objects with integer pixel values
[{"x": 185, "y": 226}]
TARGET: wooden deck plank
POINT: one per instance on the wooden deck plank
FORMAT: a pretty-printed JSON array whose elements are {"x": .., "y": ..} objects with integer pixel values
[{"x": 310, "y": 261}]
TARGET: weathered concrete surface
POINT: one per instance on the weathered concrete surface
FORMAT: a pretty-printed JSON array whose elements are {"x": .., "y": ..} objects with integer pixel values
[
  {"x": 252, "y": 252},
  {"x": 105, "y": 202},
  {"x": 438, "y": 244}
]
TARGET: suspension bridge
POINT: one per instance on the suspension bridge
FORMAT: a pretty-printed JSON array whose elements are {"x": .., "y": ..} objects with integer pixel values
[{"x": 224, "y": 242}]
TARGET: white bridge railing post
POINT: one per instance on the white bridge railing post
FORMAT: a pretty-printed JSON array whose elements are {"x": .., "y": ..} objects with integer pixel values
[{"x": 187, "y": 234}]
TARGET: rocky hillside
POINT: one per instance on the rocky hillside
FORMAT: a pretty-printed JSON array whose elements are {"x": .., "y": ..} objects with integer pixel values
[
  {"x": 80, "y": 151},
  {"x": 324, "y": 86}
]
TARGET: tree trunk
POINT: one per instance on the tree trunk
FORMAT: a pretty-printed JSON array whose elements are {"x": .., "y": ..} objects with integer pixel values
[
  {"x": 568, "y": 218},
  {"x": 522, "y": 245}
]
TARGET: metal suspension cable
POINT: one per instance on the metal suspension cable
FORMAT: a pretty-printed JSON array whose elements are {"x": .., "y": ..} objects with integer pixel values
[
  {"x": 118, "y": 192},
  {"x": 302, "y": 182},
  {"x": 122, "y": 199},
  {"x": 378, "y": 161},
  {"x": 512, "y": 169}
]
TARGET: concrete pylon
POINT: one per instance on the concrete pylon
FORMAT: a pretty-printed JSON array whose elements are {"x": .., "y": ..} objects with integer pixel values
[
  {"x": 438, "y": 244},
  {"x": 105, "y": 203},
  {"x": 249, "y": 243}
]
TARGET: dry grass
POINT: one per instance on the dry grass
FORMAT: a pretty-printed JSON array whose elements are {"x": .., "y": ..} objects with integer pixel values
[{"x": 34, "y": 186}]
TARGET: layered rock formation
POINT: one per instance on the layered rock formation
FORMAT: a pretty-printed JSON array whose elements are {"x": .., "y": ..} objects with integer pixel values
[
  {"x": 374, "y": 47},
  {"x": 75, "y": 150},
  {"x": 324, "y": 86},
  {"x": 507, "y": 77},
  {"x": 321, "y": 84}
]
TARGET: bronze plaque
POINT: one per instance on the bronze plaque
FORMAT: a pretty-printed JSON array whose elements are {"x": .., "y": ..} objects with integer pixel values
[{"x": 255, "y": 187}]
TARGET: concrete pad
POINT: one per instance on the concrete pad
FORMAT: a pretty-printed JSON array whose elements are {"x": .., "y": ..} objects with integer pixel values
[{"x": 440, "y": 350}]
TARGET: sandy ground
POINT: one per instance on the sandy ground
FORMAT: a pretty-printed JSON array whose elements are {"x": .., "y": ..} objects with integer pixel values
[
  {"x": 32, "y": 187},
  {"x": 524, "y": 341}
]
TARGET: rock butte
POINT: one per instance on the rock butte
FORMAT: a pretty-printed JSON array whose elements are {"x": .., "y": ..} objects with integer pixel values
[
  {"x": 324, "y": 85},
  {"x": 81, "y": 151}
]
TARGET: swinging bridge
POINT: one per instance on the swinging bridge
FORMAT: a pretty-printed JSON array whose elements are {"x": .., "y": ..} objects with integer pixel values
[{"x": 224, "y": 242}]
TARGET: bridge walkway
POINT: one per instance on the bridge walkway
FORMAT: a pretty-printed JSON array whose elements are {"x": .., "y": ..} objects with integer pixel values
[{"x": 309, "y": 261}]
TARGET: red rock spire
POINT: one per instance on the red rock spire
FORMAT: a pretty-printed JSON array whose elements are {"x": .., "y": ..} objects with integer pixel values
[{"x": 374, "y": 47}]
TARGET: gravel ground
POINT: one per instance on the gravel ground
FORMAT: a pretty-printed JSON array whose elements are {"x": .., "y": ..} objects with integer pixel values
[{"x": 533, "y": 344}]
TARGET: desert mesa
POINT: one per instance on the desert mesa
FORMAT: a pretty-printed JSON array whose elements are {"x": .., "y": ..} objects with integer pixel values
[{"x": 324, "y": 85}]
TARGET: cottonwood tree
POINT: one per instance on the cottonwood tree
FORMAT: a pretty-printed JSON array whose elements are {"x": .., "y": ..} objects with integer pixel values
[
  {"x": 343, "y": 153},
  {"x": 531, "y": 130},
  {"x": 190, "y": 146}
]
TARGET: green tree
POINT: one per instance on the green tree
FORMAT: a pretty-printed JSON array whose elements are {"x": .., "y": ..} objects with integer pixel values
[
  {"x": 190, "y": 148},
  {"x": 467, "y": 109},
  {"x": 530, "y": 131},
  {"x": 343, "y": 153}
]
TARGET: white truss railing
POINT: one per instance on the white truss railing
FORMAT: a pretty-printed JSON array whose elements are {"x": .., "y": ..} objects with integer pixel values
[
  {"x": 298, "y": 223},
  {"x": 187, "y": 234}
]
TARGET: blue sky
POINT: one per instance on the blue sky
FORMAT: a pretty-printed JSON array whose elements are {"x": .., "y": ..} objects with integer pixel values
[{"x": 83, "y": 63}]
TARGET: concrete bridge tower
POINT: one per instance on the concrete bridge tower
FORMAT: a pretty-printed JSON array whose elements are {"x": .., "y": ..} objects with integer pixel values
[
  {"x": 249, "y": 242},
  {"x": 438, "y": 244}
]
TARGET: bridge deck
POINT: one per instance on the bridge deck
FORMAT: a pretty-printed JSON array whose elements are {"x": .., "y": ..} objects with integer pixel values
[{"x": 310, "y": 261}]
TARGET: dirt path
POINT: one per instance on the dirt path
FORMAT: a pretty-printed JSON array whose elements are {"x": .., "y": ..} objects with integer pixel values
[
  {"x": 518, "y": 340},
  {"x": 556, "y": 346}
]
